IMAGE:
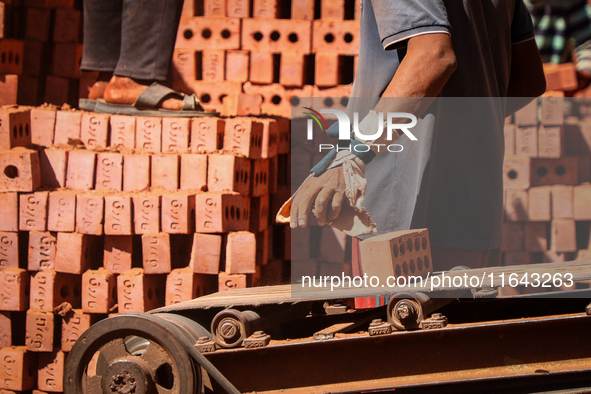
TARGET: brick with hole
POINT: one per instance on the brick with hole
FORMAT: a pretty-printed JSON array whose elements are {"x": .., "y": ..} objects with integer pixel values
[
  {"x": 165, "y": 171},
  {"x": 208, "y": 33},
  {"x": 81, "y": 169},
  {"x": 156, "y": 253},
  {"x": 213, "y": 64},
  {"x": 177, "y": 210},
  {"x": 42, "y": 250},
  {"x": 50, "y": 289},
  {"x": 335, "y": 37},
  {"x": 20, "y": 170},
  {"x": 148, "y": 134},
  {"x": 562, "y": 171},
  {"x": 54, "y": 163},
  {"x": 8, "y": 212},
  {"x": 221, "y": 212},
  {"x": 207, "y": 134},
  {"x": 117, "y": 253},
  {"x": 67, "y": 126},
  {"x": 136, "y": 172},
  {"x": 74, "y": 253},
  {"x": 228, "y": 281},
  {"x": 241, "y": 253},
  {"x": 89, "y": 214},
  {"x": 9, "y": 248},
  {"x": 33, "y": 211},
  {"x": 109, "y": 171},
  {"x": 270, "y": 138},
  {"x": 561, "y": 77},
  {"x": 244, "y": 137},
  {"x": 175, "y": 134},
  {"x": 137, "y": 292},
  {"x": 99, "y": 292},
  {"x": 270, "y": 35},
  {"x": 73, "y": 325},
  {"x": 40, "y": 328},
  {"x": 14, "y": 292},
  {"x": 15, "y": 128},
  {"x": 516, "y": 172},
  {"x": 5, "y": 330},
  {"x": 122, "y": 131},
  {"x": 183, "y": 284},
  {"x": 146, "y": 213},
  {"x": 262, "y": 65},
  {"x": 12, "y": 56},
  {"x": 118, "y": 215},
  {"x": 213, "y": 93},
  {"x": 206, "y": 253},
  {"x": 42, "y": 126},
  {"x": 228, "y": 173},
  {"x": 18, "y": 371},
  {"x": 242, "y": 104},
  {"x": 259, "y": 213},
  {"x": 259, "y": 178},
  {"x": 61, "y": 215},
  {"x": 193, "y": 172},
  {"x": 94, "y": 130},
  {"x": 51, "y": 371}
]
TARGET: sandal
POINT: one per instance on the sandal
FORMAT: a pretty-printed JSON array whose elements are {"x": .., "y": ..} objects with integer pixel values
[
  {"x": 87, "y": 104},
  {"x": 148, "y": 101}
]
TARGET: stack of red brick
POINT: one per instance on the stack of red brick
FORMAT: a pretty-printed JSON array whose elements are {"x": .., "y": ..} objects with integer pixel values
[
  {"x": 114, "y": 214},
  {"x": 40, "y": 45},
  {"x": 547, "y": 172}
]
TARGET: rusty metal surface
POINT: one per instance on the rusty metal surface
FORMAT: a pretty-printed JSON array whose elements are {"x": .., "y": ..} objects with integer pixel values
[{"x": 457, "y": 352}]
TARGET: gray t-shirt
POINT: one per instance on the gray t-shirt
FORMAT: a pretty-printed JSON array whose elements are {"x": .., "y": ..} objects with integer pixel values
[{"x": 450, "y": 180}]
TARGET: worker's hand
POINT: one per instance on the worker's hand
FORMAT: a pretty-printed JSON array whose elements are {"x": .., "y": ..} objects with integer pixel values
[{"x": 319, "y": 191}]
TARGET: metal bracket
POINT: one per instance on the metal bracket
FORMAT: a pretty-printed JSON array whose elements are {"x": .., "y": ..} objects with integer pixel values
[
  {"x": 258, "y": 339},
  {"x": 436, "y": 321}
]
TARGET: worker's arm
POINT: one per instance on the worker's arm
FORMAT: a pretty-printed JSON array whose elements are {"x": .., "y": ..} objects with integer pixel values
[
  {"x": 527, "y": 78},
  {"x": 428, "y": 64}
]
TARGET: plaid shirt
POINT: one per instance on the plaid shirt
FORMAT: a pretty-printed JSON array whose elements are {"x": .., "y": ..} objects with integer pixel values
[{"x": 562, "y": 26}]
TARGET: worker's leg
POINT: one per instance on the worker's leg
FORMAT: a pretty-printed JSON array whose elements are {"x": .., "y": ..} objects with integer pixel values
[{"x": 445, "y": 259}]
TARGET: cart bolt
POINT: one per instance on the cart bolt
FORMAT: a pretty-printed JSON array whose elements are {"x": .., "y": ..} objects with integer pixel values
[
  {"x": 376, "y": 322},
  {"x": 588, "y": 309},
  {"x": 438, "y": 316},
  {"x": 258, "y": 334},
  {"x": 228, "y": 329},
  {"x": 405, "y": 311},
  {"x": 202, "y": 340}
]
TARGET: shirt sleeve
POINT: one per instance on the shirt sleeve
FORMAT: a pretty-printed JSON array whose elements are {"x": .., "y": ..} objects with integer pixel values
[
  {"x": 522, "y": 28},
  {"x": 400, "y": 20}
]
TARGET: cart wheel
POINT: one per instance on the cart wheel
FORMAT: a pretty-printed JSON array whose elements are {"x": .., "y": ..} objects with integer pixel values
[{"x": 131, "y": 353}]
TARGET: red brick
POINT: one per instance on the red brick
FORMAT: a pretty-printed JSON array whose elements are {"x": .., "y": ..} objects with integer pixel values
[
  {"x": 118, "y": 215},
  {"x": 38, "y": 21},
  {"x": 20, "y": 170},
  {"x": 259, "y": 213},
  {"x": 94, "y": 130},
  {"x": 262, "y": 245},
  {"x": 584, "y": 169},
  {"x": 214, "y": 7},
  {"x": 85, "y": 83},
  {"x": 165, "y": 171},
  {"x": 526, "y": 141},
  {"x": 146, "y": 214},
  {"x": 51, "y": 371},
  {"x": 35, "y": 55},
  {"x": 53, "y": 163},
  {"x": 563, "y": 171},
  {"x": 550, "y": 256},
  {"x": 562, "y": 202},
  {"x": 550, "y": 141},
  {"x": 99, "y": 293},
  {"x": 259, "y": 178},
  {"x": 136, "y": 292},
  {"x": 332, "y": 10},
  {"x": 277, "y": 99},
  {"x": 231, "y": 281},
  {"x": 177, "y": 213},
  {"x": 238, "y": 8},
  {"x": 513, "y": 237},
  {"x": 118, "y": 250},
  {"x": 509, "y": 139},
  {"x": 42, "y": 126},
  {"x": 213, "y": 64},
  {"x": 528, "y": 115},
  {"x": 184, "y": 285},
  {"x": 33, "y": 211},
  {"x": 243, "y": 137},
  {"x": 272, "y": 273},
  {"x": 122, "y": 131},
  {"x": 40, "y": 330},
  {"x": 41, "y": 251},
  {"x": 516, "y": 205},
  {"x": 220, "y": 212},
  {"x": 585, "y": 137},
  {"x": 516, "y": 172},
  {"x": 270, "y": 141},
  {"x": 228, "y": 173},
  {"x": 156, "y": 253},
  {"x": 560, "y": 77},
  {"x": 8, "y": 89},
  {"x": 175, "y": 134},
  {"x": 61, "y": 214},
  {"x": 582, "y": 202},
  {"x": 81, "y": 167},
  {"x": 293, "y": 67},
  {"x": 67, "y": 126},
  {"x": 9, "y": 250},
  {"x": 136, "y": 172},
  {"x": 206, "y": 253},
  {"x": 50, "y": 289},
  {"x": 18, "y": 370},
  {"x": 273, "y": 35},
  {"x": 89, "y": 214},
  {"x": 336, "y": 36},
  {"x": 536, "y": 237},
  {"x": 193, "y": 172},
  {"x": 539, "y": 204},
  {"x": 73, "y": 325},
  {"x": 15, "y": 128},
  {"x": 109, "y": 171},
  {"x": 192, "y": 8},
  {"x": 8, "y": 212},
  {"x": 5, "y": 330},
  {"x": 261, "y": 8},
  {"x": 262, "y": 65},
  {"x": 241, "y": 104},
  {"x": 50, "y": 3},
  {"x": 59, "y": 90},
  {"x": 148, "y": 134},
  {"x": 14, "y": 293},
  {"x": 212, "y": 93},
  {"x": 184, "y": 65},
  {"x": 237, "y": 66},
  {"x": 66, "y": 26},
  {"x": 303, "y": 10},
  {"x": 66, "y": 60},
  {"x": 327, "y": 70},
  {"x": 563, "y": 236},
  {"x": 241, "y": 253},
  {"x": 516, "y": 258},
  {"x": 207, "y": 134},
  {"x": 552, "y": 112},
  {"x": 73, "y": 253},
  {"x": 208, "y": 33}
]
